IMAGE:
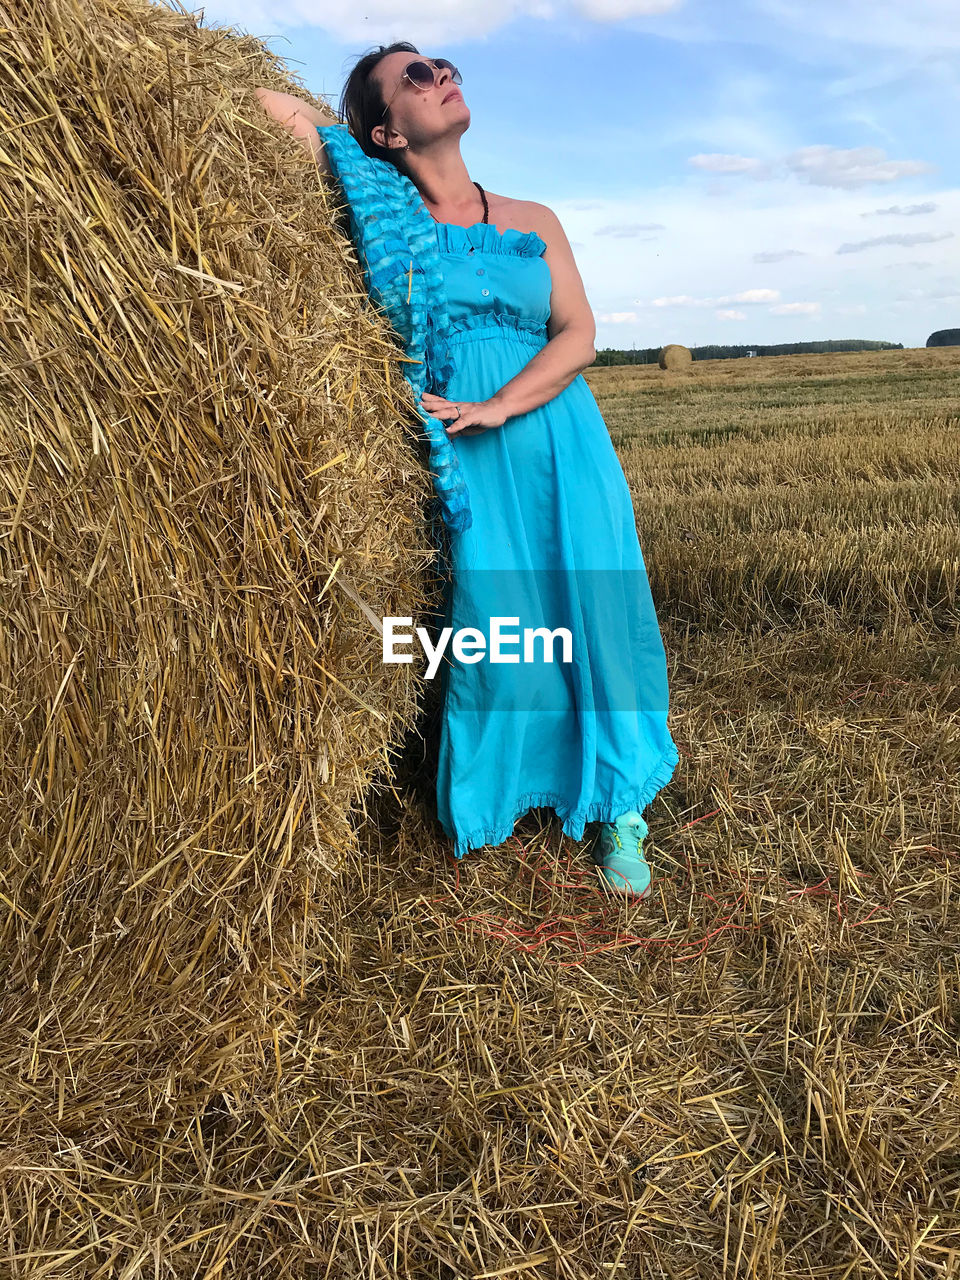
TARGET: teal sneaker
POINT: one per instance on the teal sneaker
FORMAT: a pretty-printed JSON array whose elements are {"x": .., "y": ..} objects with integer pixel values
[{"x": 619, "y": 855}]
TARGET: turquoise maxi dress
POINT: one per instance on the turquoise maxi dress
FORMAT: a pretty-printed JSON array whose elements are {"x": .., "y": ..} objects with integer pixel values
[
  {"x": 540, "y": 531},
  {"x": 553, "y": 543}
]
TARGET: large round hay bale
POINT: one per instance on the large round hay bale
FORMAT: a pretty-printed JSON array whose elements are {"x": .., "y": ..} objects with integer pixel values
[
  {"x": 674, "y": 356},
  {"x": 211, "y": 495}
]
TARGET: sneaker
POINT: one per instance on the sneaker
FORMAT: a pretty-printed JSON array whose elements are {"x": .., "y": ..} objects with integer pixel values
[{"x": 619, "y": 854}]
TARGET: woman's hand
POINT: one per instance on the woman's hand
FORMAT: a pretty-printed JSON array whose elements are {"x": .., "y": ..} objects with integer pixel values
[{"x": 475, "y": 415}]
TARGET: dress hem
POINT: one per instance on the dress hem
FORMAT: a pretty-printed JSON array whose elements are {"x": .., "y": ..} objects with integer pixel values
[{"x": 573, "y": 823}]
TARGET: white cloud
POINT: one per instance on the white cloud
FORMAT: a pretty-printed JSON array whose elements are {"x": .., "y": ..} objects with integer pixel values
[
  {"x": 731, "y": 315},
  {"x": 680, "y": 300},
  {"x": 424, "y": 21},
  {"x": 796, "y": 309},
  {"x": 611, "y": 10},
  {"x": 904, "y": 210},
  {"x": 920, "y": 26},
  {"x": 936, "y": 295},
  {"x": 820, "y": 165},
  {"x": 916, "y": 237},
  {"x": 718, "y": 163},
  {"x": 748, "y": 295},
  {"x": 629, "y": 230},
  {"x": 852, "y": 167},
  {"x": 617, "y": 317},
  {"x": 779, "y": 255},
  {"x": 674, "y": 287},
  {"x": 755, "y": 295}
]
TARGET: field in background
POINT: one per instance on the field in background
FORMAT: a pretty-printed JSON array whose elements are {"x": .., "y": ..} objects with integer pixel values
[{"x": 755, "y": 1074}]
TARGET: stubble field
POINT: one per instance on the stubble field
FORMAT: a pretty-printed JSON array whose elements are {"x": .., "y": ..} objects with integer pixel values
[
  {"x": 755, "y": 1073},
  {"x": 494, "y": 1068}
]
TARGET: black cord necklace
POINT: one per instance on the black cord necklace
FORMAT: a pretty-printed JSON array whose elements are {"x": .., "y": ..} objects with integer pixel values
[{"x": 483, "y": 197}]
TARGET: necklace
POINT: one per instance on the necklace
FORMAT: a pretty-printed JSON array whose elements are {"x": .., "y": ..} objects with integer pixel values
[{"x": 483, "y": 197}]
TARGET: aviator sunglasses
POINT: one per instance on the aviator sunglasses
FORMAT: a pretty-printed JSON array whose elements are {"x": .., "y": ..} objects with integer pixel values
[{"x": 422, "y": 76}]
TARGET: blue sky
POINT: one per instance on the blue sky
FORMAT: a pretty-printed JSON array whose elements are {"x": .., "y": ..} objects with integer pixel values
[{"x": 748, "y": 171}]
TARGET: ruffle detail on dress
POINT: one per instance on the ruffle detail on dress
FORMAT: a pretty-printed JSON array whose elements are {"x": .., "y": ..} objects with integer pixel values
[
  {"x": 484, "y": 237},
  {"x": 572, "y": 823},
  {"x": 393, "y": 232},
  {"x": 525, "y": 328}
]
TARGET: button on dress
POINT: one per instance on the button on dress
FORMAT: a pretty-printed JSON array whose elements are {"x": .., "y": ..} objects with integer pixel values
[{"x": 553, "y": 546}]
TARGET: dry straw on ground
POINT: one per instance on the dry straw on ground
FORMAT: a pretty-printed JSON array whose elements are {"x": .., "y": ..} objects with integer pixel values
[
  {"x": 232, "y": 1046},
  {"x": 673, "y": 356}
]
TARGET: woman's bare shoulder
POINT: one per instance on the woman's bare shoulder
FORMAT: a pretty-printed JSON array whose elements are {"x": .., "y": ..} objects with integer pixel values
[{"x": 522, "y": 215}]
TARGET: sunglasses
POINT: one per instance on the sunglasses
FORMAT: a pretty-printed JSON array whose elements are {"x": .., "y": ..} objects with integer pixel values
[{"x": 422, "y": 76}]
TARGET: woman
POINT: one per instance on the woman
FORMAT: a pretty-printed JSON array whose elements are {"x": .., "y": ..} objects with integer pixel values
[{"x": 553, "y": 540}]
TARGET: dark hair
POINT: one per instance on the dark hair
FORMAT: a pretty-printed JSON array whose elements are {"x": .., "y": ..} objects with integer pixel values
[{"x": 362, "y": 102}]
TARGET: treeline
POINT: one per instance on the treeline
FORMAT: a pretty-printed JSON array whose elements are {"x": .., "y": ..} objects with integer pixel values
[{"x": 650, "y": 355}]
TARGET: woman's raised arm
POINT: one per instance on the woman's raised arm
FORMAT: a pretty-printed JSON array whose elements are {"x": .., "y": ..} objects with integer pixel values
[{"x": 301, "y": 119}]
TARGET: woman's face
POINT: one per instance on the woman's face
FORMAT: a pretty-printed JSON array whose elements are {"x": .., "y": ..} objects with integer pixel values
[{"x": 419, "y": 114}]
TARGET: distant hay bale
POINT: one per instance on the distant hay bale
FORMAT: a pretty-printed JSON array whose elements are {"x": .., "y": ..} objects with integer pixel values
[
  {"x": 211, "y": 494},
  {"x": 674, "y": 356}
]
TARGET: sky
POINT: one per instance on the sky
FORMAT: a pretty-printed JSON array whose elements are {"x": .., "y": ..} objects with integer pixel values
[{"x": 726, "y": 171}]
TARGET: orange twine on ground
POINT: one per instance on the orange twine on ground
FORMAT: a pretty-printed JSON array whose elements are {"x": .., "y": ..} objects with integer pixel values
[{"x": 574, "y": 932}]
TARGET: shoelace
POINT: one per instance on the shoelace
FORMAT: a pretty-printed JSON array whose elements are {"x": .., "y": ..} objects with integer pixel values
[{"x": 615, "y": 827}]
